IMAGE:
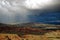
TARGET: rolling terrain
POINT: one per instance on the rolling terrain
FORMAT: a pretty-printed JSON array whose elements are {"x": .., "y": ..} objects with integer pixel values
[{"x": 29, "y": 31}]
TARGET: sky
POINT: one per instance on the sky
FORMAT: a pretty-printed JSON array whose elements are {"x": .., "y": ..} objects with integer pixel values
[{"x": 25, "y": 11}]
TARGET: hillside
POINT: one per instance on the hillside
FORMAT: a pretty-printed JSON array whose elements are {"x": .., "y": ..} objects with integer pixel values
[
  {"x": 29, "y": 31},
  {"x": 28, "y": 28}
]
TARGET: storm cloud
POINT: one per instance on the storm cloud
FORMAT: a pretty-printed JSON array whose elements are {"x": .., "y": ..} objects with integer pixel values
[{"x": 18, "y": 11}]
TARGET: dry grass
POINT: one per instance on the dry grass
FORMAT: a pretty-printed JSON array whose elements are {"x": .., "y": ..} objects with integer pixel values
[
  {"x": 9, "y": 37},
  {"x": 54, "y": 35}
]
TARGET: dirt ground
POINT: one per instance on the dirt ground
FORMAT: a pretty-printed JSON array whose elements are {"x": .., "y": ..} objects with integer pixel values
[{"x": 54, "y": 35}]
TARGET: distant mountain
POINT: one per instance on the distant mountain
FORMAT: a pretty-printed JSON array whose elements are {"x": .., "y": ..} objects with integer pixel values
[
  {"x": 28, "y": 28},
  {"x": 32, "y": 25}
]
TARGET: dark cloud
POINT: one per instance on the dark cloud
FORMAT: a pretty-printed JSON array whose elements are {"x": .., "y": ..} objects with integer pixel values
[{"x": 16, "y": 11}]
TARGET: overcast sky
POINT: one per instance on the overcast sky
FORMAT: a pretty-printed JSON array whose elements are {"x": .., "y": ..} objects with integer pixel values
[{"x": 22, "y": 11}]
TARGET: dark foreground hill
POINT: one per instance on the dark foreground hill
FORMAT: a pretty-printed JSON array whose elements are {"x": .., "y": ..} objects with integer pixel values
[{"x": 28, "y": 28}]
